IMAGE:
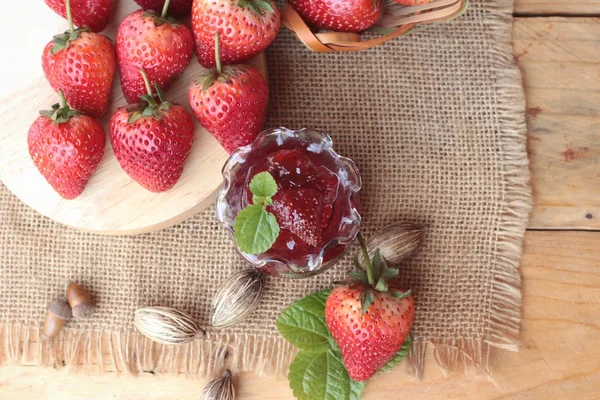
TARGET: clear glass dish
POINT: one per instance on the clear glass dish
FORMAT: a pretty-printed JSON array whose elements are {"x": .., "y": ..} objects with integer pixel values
[{"x": 343, "y": 220}]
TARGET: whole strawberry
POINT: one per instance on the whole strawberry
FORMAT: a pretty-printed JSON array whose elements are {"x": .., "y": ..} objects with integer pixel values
[
  {"x": 177, "y": 8},
  {"x": 339, "y": 15},
  {"x": 82, "y": 65},
  {"x": 230, "y": 103},
  {"x": 161, "y": 46},
  {"x": 247, "y": 28},
  {"x": 369, "y": 318},
  {"x": 91, "y": 13},
  {"x": 66, "y": 147},
  {"x": 152, "y": 140}
]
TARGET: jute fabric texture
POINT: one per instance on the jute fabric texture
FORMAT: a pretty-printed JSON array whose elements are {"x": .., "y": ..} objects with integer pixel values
[{"x": 435, "y": 122}]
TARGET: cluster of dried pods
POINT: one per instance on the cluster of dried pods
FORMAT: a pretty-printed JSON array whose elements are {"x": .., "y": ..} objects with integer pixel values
[
  {"x": 240, "y": 294},
  {"x": 78, "y": 303}
]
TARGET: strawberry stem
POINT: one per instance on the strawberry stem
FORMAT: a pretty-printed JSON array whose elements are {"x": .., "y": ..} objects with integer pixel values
[
  {"x": 165, "y": 8},
  {"x": 218, "y": 52},
  {"x": 70, "y": 20},
  {"x": 368, "y": 265},
  {"x": 147, "y": 82},
  {"x": 63, "y": 100}
]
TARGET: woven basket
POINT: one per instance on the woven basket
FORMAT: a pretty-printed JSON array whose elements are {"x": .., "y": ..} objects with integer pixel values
[{"x": 395, "y": 21}]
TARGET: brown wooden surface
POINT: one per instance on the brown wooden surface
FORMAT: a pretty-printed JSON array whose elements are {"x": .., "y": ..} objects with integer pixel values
[{"x": 560, "y": 354}]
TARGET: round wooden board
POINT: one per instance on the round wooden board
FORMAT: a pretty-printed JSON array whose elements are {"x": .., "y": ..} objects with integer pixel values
[{"x": 112, "y": 203}]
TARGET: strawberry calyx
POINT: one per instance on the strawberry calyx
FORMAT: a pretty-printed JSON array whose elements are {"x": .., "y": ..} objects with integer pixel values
[
  {"x": 375, "y": 276},
  {"x": 260, "y": 7},
  {"x": 60, "y": 112},
  {"x": 149, "y": 106},
  {"x": 63, "y": 40},
  {"x": 218, "y": 73}
]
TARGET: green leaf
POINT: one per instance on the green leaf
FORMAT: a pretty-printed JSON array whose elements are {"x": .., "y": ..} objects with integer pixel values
[
  {"x": 399, "y": 356},
  {"x": 264, "y": 6},
  {"x": 376, "y": 264},
  {"x": 255, "y": 229},
  {"x": 381, "y": 286},
  {"x": 400, "y": 295},
  {"x": 390, "y": 273},
  {"x": 263, "y": 184},
  {"x": 358, "y": 275},
  {"x": 303, "y": 323}
]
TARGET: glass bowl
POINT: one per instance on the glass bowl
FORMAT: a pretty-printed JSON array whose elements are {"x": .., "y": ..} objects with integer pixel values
[{"x": 290, "y": 256}]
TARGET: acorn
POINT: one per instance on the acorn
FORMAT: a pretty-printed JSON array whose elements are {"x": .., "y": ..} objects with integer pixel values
[
  {"x": 58, "y": 314},
  {"x": 80, "y": 301}
]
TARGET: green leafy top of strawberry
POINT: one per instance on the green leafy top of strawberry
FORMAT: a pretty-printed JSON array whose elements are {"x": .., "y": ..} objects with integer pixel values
[
  {"x": 63, "y": 40},
  {"x": 162, "y": 18},
  {"x": 220, "y": 73},
  {"x": 260, "y": 7},
  {"x": 60, "y": 113},
  {"x": 256, "y": 229},
  {"x": 374, "y": 277},
  {"x": 149, "y": 107}
]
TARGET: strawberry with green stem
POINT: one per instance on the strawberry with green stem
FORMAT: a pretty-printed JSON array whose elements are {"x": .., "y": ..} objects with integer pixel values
[
  {"x": 156, "y": 43},
  {"x": 66, "y": 147},
  {"x": 82, "y": 65},
  {"x": 152, "y": 140},
  {"x": 177, "y": 8},
  {"x": 247, "y": 28},
  {"x": 93, "y": 14},
  {"x": 369, "y": 316},
  {"x": 230, "y": 102}
]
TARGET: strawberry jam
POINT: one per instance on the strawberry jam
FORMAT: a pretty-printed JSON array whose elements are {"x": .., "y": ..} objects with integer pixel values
[{"x": 314, "y": 203}]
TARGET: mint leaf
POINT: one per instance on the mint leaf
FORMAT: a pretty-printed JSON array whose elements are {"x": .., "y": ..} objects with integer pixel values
[
  {"x": 303, "y": 323},
  {"x": 318, "y": 371},
  {"x": 263, "y": 185},
  {"x": 255, "y": 229}
]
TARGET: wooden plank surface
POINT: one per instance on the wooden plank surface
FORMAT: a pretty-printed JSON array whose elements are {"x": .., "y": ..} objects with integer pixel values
[
  {"x": 557, "y": 7},
  {"x": 560, "y": 354},
  {"x": 559, "y": 358},
  {"x": 559, "y": 58}
]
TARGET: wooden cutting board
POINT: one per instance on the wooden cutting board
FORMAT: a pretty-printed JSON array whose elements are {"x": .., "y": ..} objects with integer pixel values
[{"x": 112, "y": 203}]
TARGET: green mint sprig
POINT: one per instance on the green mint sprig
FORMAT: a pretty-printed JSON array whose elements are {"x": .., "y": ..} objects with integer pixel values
[
  {"x": 256, "y": 229},
  {"x": 318, "y": 371}
]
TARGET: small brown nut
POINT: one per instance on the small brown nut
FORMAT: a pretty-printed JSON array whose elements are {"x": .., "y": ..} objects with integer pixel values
[
  {"x": 80, "y": 301},
  {"x": 58, "y": 314}
]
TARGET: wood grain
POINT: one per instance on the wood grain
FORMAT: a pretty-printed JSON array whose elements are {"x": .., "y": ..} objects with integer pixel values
[
  {"x": 559, "y": 357},
  {"x": 559, "y": 58},
  {"x": 112, "y": 202},
  {"x": 557, "y": 7}
]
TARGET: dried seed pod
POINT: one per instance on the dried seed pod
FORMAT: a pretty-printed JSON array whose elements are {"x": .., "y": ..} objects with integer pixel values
[
  {"x": 166, "y": 325},
  {"x": 397, "y": 242},
  {"x": 220, "y": 388},
  {"x": 80, "y": 301},
  {"x": 58, "y": 314},
  {"x": 238, "y": 297}
]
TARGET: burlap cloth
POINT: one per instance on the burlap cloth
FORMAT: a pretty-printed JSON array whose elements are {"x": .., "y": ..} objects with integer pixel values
[{"x": 435, "y": 122}]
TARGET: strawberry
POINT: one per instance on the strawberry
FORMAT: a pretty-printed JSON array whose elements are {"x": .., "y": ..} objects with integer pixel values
[
  {"x": 369, "y": 317},
  {"x": 82, "y": 65},
  {"x": 299, "y": 211},
  {"x": 162, "y": 47},
  {"x": 177, "y": 8},
  {"x": 93, "y": 14},
  {"x": 152, "y": 140},
  {"x": 339, "y": 15},
  {"x": 412, "y": 2},
  {"x": 247, "y": 28},
  {"x": 66, "y": 147},
  {"x": 230, "y": 103}
]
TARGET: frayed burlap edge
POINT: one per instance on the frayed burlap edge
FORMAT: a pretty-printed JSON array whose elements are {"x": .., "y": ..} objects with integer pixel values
[{"x": 127, "y": 352}]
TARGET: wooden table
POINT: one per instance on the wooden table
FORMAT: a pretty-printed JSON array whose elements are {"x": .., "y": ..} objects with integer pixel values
[{"x": 557, "y": 44}]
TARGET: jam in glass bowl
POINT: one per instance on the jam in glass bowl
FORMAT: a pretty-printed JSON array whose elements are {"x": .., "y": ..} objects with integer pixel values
[{"x": 314, "y": 205}]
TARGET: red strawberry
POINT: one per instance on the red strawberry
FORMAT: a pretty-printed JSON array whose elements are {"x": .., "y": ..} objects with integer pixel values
[
  {"x": 299, "y": 211},
  {"x": 82, "y": 65},
  {"x": 177, "y": 8},
  {"x": 247, "y": 28},
  {"x": 231, "y": 103},
  {"x": 339, "y": 15},
  {"x": 369, "y": 318},
  {"x": 161, "y": 47},
  {"x": 66, "y": 147},
  {"x": 412, "y": 2},
  {"x": 91, "y": 13},
  {"x": 152, "y": 140}
]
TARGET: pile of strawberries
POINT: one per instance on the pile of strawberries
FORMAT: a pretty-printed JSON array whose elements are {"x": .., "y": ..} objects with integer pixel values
[{"x": 151, "y": 137}]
